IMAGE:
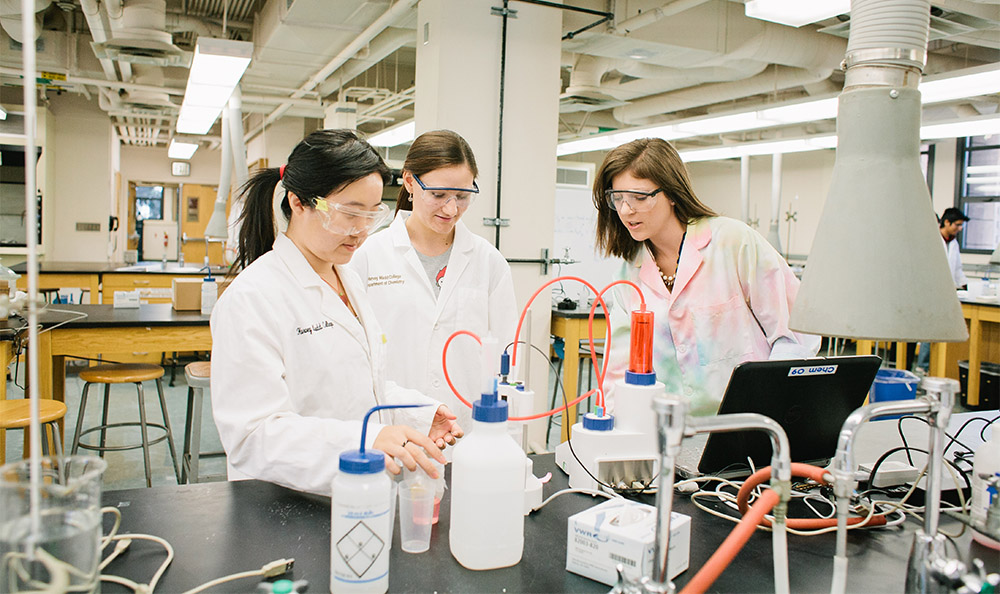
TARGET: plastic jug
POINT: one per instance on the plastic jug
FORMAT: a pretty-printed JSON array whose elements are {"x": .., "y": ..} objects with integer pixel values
[{"x": 487, "y": 491}]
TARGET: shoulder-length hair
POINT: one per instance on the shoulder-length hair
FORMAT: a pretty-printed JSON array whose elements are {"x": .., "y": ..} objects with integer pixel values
[{"x": 647, "y": 158}]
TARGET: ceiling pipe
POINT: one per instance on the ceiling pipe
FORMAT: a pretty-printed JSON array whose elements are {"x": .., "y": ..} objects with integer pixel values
[
  {"x": 379, "y": 49},
  {"x": 393, "y": 14},
  {"x": 774, "y": 79},
  {"x": 96, "y": 22},
  {"x": 649, "y": 17}
]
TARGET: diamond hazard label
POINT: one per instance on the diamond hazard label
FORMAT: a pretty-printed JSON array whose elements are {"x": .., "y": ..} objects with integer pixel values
[{"x": 359, "y": 548}]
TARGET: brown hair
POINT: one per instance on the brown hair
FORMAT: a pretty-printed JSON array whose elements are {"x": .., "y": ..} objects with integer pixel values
[
  {"x": 434, "y": 150},
  {"x": 647, "y": 158}
]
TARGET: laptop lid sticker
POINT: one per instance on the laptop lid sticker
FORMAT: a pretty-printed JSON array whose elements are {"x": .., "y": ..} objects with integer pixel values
[{"x": 815, "y": 370}]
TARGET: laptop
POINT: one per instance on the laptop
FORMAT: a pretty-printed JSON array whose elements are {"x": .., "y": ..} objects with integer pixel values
[{"x": 809, "y": 398}]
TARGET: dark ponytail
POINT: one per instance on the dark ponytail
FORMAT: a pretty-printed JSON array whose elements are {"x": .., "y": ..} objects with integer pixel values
[
  {"x": 434, "y": 150},
  {"x": 322, "y": 163}
]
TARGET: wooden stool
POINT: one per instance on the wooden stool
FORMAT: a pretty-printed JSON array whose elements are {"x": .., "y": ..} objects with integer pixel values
[
  {"x": 16, "y": 414},
  {"x": 134, "y": 373},
  {"x": 199, "y": 376}
]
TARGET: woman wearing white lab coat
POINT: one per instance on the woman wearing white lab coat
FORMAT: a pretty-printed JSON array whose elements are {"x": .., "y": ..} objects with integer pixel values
[
  {"x": 720, "y": 294},
  {"x": 298, "y": 356},
  {"x": 427, "y": 275}
]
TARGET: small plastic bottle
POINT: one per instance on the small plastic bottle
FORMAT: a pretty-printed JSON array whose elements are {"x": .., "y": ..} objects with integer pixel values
[
  {"x": 487, "y": 491},
  {"x": 985, "y": 466},
  {"x": 209, "y": 294},
  {"x": 361, "y": 532}
]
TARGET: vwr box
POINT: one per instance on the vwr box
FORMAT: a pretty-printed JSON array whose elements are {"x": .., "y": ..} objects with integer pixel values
[{"x": 623, "y": 532}]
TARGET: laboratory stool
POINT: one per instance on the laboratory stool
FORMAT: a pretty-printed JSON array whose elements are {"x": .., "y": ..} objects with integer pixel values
[
  {"x": 16, "y": 414},
  {"x": 132, "y": 373},
  {"x": 199, "y": 376}
]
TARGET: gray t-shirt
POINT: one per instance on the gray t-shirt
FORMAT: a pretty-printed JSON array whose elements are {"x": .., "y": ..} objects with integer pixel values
[{"x": 435, "y": 266}]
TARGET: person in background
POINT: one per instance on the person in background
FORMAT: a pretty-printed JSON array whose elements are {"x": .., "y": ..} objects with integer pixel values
[
  {"x": 950, "y": 225},
  {"x": 297, "y": 353},
  {"x": 952, "y": 221},
  {"x": 719, "y": 293},
  {"x": 427, "y": 275}
]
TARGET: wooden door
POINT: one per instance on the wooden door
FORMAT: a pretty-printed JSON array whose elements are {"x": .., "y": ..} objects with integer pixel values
[{"x": 197, "y": 203}]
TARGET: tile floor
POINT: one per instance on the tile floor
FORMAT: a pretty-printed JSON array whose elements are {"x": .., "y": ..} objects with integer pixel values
[{"x": 125, "y": 468}]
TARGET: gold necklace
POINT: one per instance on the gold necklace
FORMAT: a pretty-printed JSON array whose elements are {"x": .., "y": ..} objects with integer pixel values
[{"x": 668, "y": 279}]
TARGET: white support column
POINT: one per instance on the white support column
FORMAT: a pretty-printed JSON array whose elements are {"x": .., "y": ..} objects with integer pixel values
[{"x": 458, "y": 88}]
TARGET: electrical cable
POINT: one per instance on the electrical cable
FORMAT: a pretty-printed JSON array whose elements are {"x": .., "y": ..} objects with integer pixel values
[
  {"x": 594, "y": 492},
  {"x": 272, "y": 569}
]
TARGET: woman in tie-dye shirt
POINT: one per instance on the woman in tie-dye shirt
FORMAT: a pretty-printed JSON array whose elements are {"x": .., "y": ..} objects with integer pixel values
[{"x": 720, "y": 294}]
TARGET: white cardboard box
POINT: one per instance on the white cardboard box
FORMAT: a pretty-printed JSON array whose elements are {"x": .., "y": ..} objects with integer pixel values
[{"x": 623, "y": 531}]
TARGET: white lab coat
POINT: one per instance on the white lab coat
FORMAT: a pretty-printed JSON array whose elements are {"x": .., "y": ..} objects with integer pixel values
[
  {"x": 955, "y": 262},
  {"x": 293, "y": 373},
  {"x": 477, "y": 295}
]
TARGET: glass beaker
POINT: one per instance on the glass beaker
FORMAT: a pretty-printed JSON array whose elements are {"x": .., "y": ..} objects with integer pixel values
[{"x": 62, "y": 553}]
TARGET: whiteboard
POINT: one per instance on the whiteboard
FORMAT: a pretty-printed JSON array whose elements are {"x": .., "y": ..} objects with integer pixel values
[{"x": 575, "y": 223}]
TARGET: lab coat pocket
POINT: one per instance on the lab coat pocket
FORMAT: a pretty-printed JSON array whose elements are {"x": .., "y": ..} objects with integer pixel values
[
  {"x": 474, "y": 306},
  {"x": 723, "y": 330}
]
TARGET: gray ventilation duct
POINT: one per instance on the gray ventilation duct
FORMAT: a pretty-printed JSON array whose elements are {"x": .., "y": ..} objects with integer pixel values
[{"x": 877, "y": 269}]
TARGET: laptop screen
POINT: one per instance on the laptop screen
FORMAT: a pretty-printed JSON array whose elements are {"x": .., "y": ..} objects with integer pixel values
[{"x": 809, "y": 398}]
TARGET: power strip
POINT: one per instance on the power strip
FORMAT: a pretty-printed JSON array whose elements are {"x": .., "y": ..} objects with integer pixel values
[{"x": 890, "y": 473}]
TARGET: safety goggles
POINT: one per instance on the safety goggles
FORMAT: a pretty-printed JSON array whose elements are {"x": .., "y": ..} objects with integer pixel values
[
  {"x": 441, "y": 196},
  {"x": 638, "y": 201},
  {"x": 345, "y": 220}
]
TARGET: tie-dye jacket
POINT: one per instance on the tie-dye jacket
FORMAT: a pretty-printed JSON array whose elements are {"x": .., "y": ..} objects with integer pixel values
[{"x": 730, "y": 304}]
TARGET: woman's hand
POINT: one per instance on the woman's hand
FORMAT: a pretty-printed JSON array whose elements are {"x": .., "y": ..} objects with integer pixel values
[
  {"x": 444, "y": 430},
  {"x": 410, "y": 447}
]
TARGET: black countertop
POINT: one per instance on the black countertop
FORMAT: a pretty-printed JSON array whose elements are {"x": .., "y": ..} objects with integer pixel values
[{"x": 222, "y": 528}]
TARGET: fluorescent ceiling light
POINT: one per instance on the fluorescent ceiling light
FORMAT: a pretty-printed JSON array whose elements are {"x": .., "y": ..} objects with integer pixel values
[
  {"x": 983, "y": 80},
  {"x": 395, "y": 136},
  {"x": 772, "y": 147},
  {"x": 181, "y": 150},
  {"x": 981, "y": 126},
  {"x": 3, "y": 113},
  {"x": 796, "y": 13},
  {"x": 971, "y": 82},
  {"x": 978, "y": 169},
  {"x": 216, "y": 69}
]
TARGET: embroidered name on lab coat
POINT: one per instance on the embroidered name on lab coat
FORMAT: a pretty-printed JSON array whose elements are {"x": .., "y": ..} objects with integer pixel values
[
  {"x": 315, "y": 327},
  {"x": 383, "y": 280}
]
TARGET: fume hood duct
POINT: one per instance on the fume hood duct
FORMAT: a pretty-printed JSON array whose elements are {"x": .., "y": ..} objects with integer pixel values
[
  {"x": 877, "y": 269},
  {"x": 139, "y": 36}
]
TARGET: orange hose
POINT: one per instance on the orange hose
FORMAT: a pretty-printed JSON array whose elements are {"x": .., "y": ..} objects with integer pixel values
[
  {"x": 454, "y": 390},
  {"x": 724, "y": 555},
  {"x": 607, "y": 336},
  {"x": 805, "y": 471}
]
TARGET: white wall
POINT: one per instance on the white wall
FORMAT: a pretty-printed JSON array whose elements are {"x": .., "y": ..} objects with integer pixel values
[
  {"x": 276, "y": 142},
  {"x": 82, "y": 160},
  {"x": 804, "y": 182},
  {"x": 151, "y": 164}
]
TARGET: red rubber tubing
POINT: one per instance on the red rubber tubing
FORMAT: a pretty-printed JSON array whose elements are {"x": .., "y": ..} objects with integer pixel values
[
  {"x": 803, "y": 471},
  {"x": 724, "y": 555}
]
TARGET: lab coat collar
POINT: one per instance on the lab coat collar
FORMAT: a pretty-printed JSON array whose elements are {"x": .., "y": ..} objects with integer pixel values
[
  {"x": 461, "y": 251},
  {"x": 699, "y": 235},
  {"x": 331, "y": 305}
]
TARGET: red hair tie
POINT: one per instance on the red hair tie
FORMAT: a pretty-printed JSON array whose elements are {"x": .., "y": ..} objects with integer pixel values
[{"x": 281, "y": 172}]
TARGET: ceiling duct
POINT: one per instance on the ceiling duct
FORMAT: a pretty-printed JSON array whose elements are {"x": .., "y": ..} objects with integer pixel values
[
  {"x": 145, "y": 100},
  {"x": 139, "y": 36}
]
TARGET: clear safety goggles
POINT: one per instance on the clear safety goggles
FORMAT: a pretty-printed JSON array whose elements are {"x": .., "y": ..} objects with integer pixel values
[
  {"x": 345, "y": 220},
  {"x": 463, "y": 197},
  {"x": 638, "y": 201}
]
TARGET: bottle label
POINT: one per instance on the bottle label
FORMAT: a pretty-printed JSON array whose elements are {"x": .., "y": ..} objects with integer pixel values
[{"x": 360, "y": 539}]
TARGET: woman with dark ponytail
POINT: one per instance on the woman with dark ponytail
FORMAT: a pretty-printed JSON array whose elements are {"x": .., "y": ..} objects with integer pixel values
[{"x": 297, "y": 354}]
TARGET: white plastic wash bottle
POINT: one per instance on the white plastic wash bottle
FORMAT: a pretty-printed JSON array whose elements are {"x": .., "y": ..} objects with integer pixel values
[{"x": 361, "y": 533}]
